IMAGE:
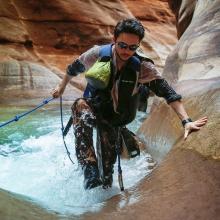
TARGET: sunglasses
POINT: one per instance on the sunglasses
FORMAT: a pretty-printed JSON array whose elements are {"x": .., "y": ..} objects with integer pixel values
[{"x": 123, "y": 45}]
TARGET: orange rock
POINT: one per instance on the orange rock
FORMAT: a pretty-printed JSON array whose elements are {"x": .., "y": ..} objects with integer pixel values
[
  {"x": 38, "y": 39},
  {"x": 53, "y": 34}
]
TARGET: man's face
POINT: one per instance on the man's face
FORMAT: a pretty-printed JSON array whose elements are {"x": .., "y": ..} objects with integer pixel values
[{"x": 126, "y": 45}]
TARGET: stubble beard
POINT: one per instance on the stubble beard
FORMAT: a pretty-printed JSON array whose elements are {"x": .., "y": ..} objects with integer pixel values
[{"x": 120, "y": 58}]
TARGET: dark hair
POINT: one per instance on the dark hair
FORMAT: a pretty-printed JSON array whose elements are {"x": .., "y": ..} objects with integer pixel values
[{"x": 130, "y": 25}]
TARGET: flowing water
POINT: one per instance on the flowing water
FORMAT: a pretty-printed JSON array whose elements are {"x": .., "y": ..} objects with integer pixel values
[{"x": 33, "y": 162}]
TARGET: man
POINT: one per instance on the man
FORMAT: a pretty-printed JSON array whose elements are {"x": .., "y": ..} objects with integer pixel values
[{"x": 113, "y": 106}]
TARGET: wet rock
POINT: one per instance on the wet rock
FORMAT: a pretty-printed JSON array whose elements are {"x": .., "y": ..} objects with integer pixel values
[
  {"x": 188, "y": 176},
  {"x": 27, "y": 83},
  {"x": 39, "y": 38},
  {"x": 53, "y": 34},
  {"x": 185, "y": 183},
  {"x": 18, "y": 207}
]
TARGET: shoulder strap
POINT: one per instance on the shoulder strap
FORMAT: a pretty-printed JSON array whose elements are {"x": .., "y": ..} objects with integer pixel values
[
  {"x": 135, "y": 63},
  {"x": 89, "y": 91},
  {"x": 105, "y": 51}
]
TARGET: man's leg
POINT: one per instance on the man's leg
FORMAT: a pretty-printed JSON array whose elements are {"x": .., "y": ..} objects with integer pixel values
[
  {"x": 107, "y": 155},
  {"x": 130, "y": 142},
  {"x": 83, "y": 122}
]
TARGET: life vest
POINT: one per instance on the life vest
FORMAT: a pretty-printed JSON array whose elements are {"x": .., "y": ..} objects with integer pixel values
[{"x": 127, "y": 82}]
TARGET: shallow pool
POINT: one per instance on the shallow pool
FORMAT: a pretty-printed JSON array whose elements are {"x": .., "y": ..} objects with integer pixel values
[{"x": 34, "y": 163}]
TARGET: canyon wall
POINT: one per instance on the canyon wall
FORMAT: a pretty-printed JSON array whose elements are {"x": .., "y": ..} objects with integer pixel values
[{"x": 39, "y": 38}]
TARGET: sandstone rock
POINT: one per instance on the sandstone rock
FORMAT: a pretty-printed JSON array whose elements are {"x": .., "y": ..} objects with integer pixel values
[
  {"x": 19, "y": 207},
  {"x": 63, "y": 24},
  {"x": 46, "y": 36},
  {"x": 193, "y": 69},
  {"x": 196, "y": 55},
  {"x": 24, "y": 82},
  {"x": 185, "y": 184},
  {"x": 65, "y": 28},
  {"x": 183, "y": 10},
  {"x": 175, "y": 190}
]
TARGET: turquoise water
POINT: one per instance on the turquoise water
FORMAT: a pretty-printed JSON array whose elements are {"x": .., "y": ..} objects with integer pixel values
[
  {"x": 36, "y": 124},
  {"x": 34, "y": 163}
]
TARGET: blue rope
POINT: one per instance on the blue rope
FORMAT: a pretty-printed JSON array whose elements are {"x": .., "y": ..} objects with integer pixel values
[
  {"x": 17, "y": 117},
  {"x": 62, "y": 130}
]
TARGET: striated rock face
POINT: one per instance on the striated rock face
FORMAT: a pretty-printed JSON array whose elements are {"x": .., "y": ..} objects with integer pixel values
[
  {"x": 27, "y": 82},
  {"x": 50, "y": 34},
  {"x": 75, "y": 24},
  {"x": 190, "y": 171},
  {"x": 38, "y": 39},
  {"x": 46, "y": 36},
  {"x": 60, "y": 28},
  {"x": 193, "y": 68},
  {"x": 183, "y": 10},
  {"x": 186, "y": 183},
  {"x": 60, "y": 24}
]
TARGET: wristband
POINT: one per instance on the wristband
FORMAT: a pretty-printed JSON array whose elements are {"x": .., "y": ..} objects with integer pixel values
[{"x": 185, "y": 121}]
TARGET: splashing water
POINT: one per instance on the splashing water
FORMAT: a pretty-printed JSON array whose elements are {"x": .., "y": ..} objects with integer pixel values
[{"x": 34, "y": 163}]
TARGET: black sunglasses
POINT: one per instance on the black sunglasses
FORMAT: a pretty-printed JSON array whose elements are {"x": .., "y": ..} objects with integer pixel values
[{"x": 123, "y": 45}]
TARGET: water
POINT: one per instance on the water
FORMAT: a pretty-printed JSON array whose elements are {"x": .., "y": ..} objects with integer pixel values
[{"x": 34, "y": 163}]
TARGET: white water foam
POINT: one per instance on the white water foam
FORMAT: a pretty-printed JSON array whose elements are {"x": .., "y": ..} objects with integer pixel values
[{"x": 43, "y": 172}]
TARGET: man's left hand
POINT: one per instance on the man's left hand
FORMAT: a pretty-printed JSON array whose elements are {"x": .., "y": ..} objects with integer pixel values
[{"x": 194, "y": 126}]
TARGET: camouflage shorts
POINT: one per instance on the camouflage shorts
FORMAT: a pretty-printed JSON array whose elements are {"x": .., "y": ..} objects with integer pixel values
[{"x": 84, "y": 120}]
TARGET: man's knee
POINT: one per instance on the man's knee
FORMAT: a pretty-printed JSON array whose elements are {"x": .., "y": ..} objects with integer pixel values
[
  {"x": 81, "y": 111},
  {"x": 79, "y": 105}
]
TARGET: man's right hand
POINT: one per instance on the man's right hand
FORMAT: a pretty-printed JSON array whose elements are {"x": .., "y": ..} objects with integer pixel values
[{"x": 57, "y": 92}]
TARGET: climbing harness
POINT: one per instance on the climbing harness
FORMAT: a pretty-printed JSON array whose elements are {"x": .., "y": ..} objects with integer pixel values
[
  {"x": 62, "y": 129},
  {"x": 17, "y": 117}
]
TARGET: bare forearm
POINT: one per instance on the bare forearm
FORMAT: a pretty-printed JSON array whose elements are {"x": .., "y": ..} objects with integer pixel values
[
  {"x": 65, "y": 81},
  {"x": 178, "y": 107},
  {"x": 57, "y": 92}
]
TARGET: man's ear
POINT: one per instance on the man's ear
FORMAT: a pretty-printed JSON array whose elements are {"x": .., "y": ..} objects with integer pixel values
[{"x": 114, "y": 39}]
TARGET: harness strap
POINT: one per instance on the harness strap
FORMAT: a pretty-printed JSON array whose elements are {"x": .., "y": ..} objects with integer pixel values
[
  {"x": 62, "y": 130},
  {"x": 106, "y": 51},
  {"x": 120, "y": 178},
  {"x": 68, "y": 126}
]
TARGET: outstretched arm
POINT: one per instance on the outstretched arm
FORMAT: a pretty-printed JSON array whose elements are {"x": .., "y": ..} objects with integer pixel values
[
  {"x": 188, "y": 124},
  {"x": 162, "y": 89}
]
